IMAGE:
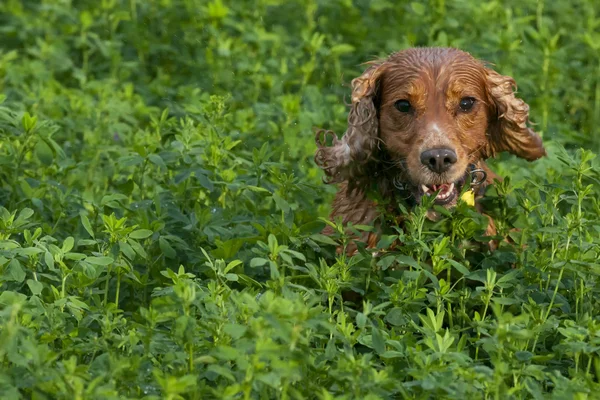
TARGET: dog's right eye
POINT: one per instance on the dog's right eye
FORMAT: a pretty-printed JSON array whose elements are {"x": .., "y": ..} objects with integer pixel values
[{"x": 403, "y": 105}]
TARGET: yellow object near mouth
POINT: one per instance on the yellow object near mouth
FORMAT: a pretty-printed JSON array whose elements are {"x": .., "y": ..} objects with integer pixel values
[{"x": 468, "y": 197}]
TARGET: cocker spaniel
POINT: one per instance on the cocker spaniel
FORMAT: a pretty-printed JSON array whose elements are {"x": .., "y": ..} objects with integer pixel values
[{"x": 422, "y": 122}]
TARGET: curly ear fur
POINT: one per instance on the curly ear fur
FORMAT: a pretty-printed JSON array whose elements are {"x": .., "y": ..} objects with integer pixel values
[
  {"x": 509, "y": 130},
  {"x": 346, "y": 158}
]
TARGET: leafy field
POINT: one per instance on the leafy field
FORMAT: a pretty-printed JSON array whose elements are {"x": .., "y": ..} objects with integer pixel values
[{"x": 160, "y": 219}]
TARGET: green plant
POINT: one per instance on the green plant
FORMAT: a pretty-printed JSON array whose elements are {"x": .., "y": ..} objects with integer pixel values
[{"x": 161, "y": 211}]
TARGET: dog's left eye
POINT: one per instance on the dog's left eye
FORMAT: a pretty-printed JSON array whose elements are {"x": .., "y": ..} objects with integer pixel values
[
  {"x": 403, "y": 106},
  {"x": 466, "y": 103}
]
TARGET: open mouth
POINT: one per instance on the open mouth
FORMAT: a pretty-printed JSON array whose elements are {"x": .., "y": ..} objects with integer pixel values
[{"x": 445, "y": 192}]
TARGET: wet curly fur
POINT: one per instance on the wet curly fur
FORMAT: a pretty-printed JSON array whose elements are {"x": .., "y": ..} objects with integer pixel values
[{"x": 384, "y": 144}]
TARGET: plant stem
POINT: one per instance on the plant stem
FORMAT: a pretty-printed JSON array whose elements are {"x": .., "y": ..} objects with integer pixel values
[
  {"x": 118, "y": 290},
  {"x": 108, "y": 271}
]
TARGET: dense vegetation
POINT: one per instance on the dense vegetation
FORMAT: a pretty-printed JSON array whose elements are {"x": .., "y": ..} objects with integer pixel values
[{"x": 160, "y": 219}]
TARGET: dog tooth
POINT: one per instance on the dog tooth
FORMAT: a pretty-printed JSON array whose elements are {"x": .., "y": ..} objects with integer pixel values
[{"x": 425, "y": 189}]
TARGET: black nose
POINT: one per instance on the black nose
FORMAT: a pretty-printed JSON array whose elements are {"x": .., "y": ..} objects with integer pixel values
[{"x": 438, "y": 160}]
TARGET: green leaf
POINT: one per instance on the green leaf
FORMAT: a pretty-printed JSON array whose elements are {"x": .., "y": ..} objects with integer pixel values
[
  {"x": 115, "y": 197},
  {"x": 75, "y": 303},
  {"x": 509, "y": 279},
  {"x": 386, "y": 261},
  {"x": 319, "y": 237},
  {"x": 127, "y": 250},
  {"x": 203, "y": 180},
  {"x": 392, "y": 354},
  {"x": 166, "y": 248},
  {"x": 274, "y": 270},
  {"x": 256, "y": 189},
  {"x": 418, "y": 8},
  {"x": 24, "y": 215},
  {"x": 459, "y": 267},
  {"x": 205, "y": 360},
  {"x": 221, "y": 371},
  {"x": 282, "y": 204},
  {"x": 35, "y": 286},
  {"x": 312, "y": 227},
  {"x": 402, "y": 259},
  {"x": 330, "y": 349},
  {"x": 236, "y": 331},
  {"x": 29, "y": 251},
  {"x": 91, "y": 271},
  {"x": 272, "y": 242},
  {"x": 157, "y": 160},
  {"x": 231, "y": 266},
  {"x": 75, "y": 256},
  {"x": 258, "y": 262},
  {"x": 396, "y": 317},
  {"x": 86, "y": 19},
  {"x": 342, "y": 48},
  {"x": 100, "y": 260},
  {"x": 8, "y": 298},
  {"x": 138, "y": 248},
  {"x": 386, "y": 241},
  {"x": 16, "y": 271},
  {"x": 523, "y": 356},
  {"x": 68, "y": 244},
  {"x": 226, "y": 353},
  {"x": 361, "y": 320},
  {"x": 28, "y": 122},
  {"x": 87, "y": 225},
  {"x": 43, "y": 153},
  {"x": 140, "y": 234},
  {"x": 49, "y": 260},
  {"x": 231, "y": 277},
  {"x": 378, "y": 341},
  {"x": 505, "y": 301},
  {"x": 130, "y": 161}
]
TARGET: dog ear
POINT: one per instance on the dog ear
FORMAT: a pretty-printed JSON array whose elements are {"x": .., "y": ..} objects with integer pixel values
[
  {"x": 348, "y": 156},
  {"x": 510, "y": 115}
]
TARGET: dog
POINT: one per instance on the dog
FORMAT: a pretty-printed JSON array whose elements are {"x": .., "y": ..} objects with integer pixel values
[{"x": 422, "y": 122}]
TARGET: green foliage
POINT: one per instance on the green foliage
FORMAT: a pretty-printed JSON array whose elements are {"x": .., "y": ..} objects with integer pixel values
[{"x": 160, "y": 219}]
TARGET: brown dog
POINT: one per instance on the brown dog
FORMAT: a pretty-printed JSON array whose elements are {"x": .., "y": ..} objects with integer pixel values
[{"x": 421, "y": 122}]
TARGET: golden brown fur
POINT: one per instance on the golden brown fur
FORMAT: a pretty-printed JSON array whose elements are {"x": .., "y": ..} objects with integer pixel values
[{"x": 414, "y": 101}]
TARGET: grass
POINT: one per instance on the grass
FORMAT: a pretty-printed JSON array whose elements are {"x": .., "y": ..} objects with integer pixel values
[{"x": 161, "y": 213}]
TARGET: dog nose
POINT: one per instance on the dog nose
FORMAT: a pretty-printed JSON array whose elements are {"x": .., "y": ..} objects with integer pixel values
[{"x": 438, "y": 160}]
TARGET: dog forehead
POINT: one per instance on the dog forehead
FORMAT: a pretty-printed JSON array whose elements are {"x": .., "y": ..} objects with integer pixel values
[
  {"x": 426, "y": 70},
  {"x": 430, "y": 57}
]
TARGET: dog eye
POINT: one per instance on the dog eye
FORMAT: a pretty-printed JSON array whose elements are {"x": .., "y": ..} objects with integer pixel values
[
  {"x": 466, "y": 103},
  {"x": 403, "y": 105}
]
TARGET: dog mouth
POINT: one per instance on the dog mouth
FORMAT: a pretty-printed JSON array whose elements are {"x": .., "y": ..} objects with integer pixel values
[{"x": 444, "y": 193}]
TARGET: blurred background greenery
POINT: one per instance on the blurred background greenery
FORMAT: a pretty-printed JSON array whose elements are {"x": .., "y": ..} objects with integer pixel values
[
  {"x": 97, "y": 69},
  {"x": 137, "y": 136}
]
